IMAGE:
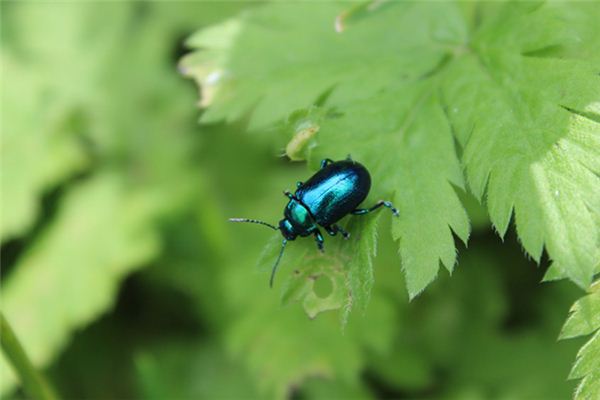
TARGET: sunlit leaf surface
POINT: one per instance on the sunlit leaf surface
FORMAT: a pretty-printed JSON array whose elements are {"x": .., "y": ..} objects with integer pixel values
[
  {"x": 514, "y": 85},
  {"x": 585, "y": 320}
]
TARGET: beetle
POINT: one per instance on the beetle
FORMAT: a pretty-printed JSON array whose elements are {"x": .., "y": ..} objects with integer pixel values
[{"x": 333, "y": 192}]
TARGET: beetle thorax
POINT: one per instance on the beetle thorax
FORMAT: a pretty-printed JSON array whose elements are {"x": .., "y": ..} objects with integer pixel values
[{"x": 297, "y": 219}]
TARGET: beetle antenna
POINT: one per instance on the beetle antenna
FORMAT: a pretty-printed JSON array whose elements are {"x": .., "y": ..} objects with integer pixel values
[
  {"x": 283, "y": 243},
  {"x": 253, "y": 221}
]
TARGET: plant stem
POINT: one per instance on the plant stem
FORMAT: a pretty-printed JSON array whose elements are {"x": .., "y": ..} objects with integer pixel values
[{"x": 34, "y": 384}]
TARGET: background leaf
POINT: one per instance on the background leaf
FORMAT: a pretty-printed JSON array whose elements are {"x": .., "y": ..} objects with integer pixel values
[
  {"x": 77, "y": 117},
  {"x": 59, "y": 302}
]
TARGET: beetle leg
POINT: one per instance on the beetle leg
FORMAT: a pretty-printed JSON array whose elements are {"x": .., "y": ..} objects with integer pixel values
[
  {"x": 326, "y": 162},
  {"x": 289, "y": 195},
  {"x": 380, "y": 203},
  {"x": 319, "y": 239},
  {"x": 334, "y": 229},
  {"x": 299, "y": 184},
  {"x": 345, "y": 234}
]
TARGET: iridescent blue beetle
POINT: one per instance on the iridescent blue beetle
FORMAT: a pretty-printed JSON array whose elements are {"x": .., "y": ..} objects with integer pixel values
[{"x": 333, "y": 192}]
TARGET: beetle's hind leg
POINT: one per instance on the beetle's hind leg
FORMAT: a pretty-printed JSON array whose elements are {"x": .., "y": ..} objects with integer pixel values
[
  {"x": 380, "y": 203},
  {"x": 334, "y": 229}
]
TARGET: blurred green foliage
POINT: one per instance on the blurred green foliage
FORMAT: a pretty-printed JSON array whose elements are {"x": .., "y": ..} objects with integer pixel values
[{"x": 123, "y": 280}]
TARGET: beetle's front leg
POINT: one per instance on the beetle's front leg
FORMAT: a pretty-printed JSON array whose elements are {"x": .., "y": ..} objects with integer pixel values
[
  {"x": 319, "y": 239},
  {"x": 334, "y": 229},
  {"x": 380, "y": 203},
  {"x": 289, "y": 195}
]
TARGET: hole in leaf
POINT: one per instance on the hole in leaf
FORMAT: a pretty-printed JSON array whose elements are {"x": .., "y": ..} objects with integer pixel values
[{"x": 323, "y": 287}]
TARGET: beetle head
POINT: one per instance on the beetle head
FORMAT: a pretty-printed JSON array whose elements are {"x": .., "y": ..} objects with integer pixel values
[{"x": 287, "y": 230}]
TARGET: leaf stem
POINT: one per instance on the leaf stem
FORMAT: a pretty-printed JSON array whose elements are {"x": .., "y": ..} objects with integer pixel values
[{"x": 34, "y": 384}]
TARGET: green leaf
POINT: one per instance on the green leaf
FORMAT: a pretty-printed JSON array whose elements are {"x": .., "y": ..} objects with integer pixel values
[
  {"x": 344, "y": 270},
  {"x": 518, "y": 113},
  {"x": 189, "y": 370},
  {"x": 515, "y": 84},
  {"x": 584, "y": 320},
  {"x": 281, "y": 348},
  {"x": 37, "y": 152},
  {"x": 419, "y": 145},
  {"x": 303, "y": 125},
  {"x": 320, "y": 286},
  {"x": 278, "y": 345},
  {"x": 72, "y": 273},
  {"x": 412, "y": 132},
  {"x": 587, "y": 367},
  {"x": 317, "y": 388},
  {"x": 82, "y": 90}
]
